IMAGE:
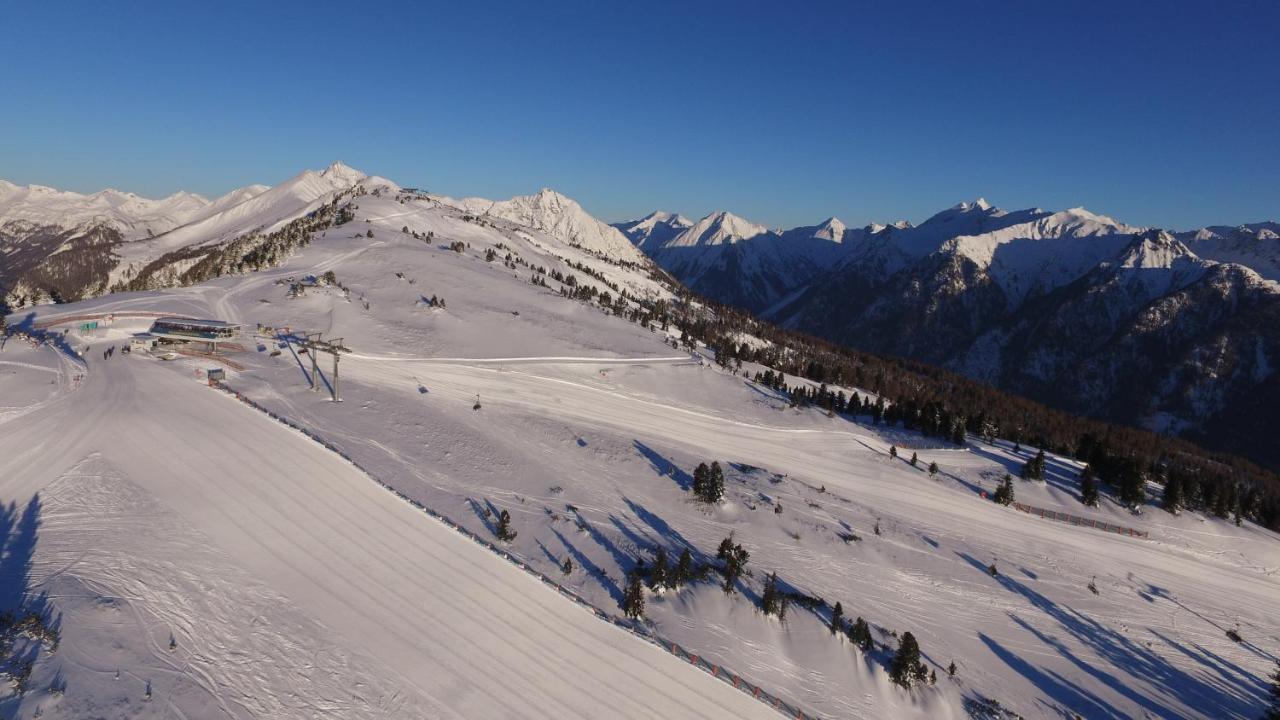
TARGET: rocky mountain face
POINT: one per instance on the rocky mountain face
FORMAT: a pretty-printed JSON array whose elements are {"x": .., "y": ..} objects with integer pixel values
[{"x": 1176, "y": 332}]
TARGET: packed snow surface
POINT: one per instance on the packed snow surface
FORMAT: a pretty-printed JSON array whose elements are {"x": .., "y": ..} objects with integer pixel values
[{"x": 294, "y": 586}]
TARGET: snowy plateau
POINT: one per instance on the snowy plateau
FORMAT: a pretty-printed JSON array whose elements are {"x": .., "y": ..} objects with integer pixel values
[{"x": 257, "y": 550}]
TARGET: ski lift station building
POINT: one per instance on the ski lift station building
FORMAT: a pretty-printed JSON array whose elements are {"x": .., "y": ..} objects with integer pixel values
[{"x": 187, "y": 330}]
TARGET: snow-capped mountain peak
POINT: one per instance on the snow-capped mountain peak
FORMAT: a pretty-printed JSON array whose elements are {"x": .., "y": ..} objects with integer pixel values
[
  {"x": 132, "y": 215},
  {"x": 342, "y": 173},
  {"x": 1255, "y": 245},
  {"x": 719, "y": 228},
  {"x": 980, "y": 205},
  {"x": 656, "y": 228},
  {"x": 1156, "y": 263},
  {"x": 1155, "y": 249},
  {"x": 660, "y": 217},
  {"x": 559, "y": 216},
  {"x": 1043, "y": 251},
  {"x": 831, "y": 229}
]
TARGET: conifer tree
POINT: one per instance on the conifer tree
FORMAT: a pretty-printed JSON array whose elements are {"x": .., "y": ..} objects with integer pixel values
[
  {"x": 860, "y": 634},
  {"x": 1132, "y": 485},
  {"x": 951, "y": 669},
  {"x": 893, "y": 451},
  {"x": 769, "y": 602},
  {"x": 1004, "y": 493},
  {"x": 726, "y": 547},
  {"x": 633, "y": 597},
  {"x": 1033, "y": 469},
  {"x": 906, "y": 669},
  {"x": 684, "y": 569},
  {"x": 715, "y": 483},
  {"x": 1230, "y": 500},
  {"x": 914, "y": 459},
  {"x": 505, "y": 533},
  {"x": 1273, "y": 711},
  {"x": 837, "y": 618},
  {"x": 567, "y": 566},
  {"x": 700, "y": 475},
  {"x": 735, "y": 559},
  {"x": 1172, "y": 500},
  {"x": 933, "y": 469},
  {"x": 658, "y": 575},
  {"x": 1088, "y": 487}
]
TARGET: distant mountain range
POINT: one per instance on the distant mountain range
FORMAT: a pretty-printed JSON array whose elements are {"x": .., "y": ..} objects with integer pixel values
[{"x": 1174, "y": 331}]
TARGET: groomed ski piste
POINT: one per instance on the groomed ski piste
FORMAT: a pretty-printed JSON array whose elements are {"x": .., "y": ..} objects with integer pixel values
[{"x": 191, "y": 544}]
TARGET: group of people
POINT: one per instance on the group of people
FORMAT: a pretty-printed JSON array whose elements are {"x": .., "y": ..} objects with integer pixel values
[{"x": 112, "y": 351}]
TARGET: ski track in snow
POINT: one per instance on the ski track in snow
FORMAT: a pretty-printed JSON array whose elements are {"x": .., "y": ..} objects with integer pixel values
[
  {"x": 390, "y": 614},
  {"x": 467, "y": 634}
]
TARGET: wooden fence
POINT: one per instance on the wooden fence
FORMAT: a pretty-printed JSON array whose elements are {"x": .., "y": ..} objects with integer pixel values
[{"x": 1081, "y": 521}]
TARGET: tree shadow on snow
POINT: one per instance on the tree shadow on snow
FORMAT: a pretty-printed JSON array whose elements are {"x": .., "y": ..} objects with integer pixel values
[
  {"x": 486, "y": 513},
  {"x": 1164, "y": 594},
  {"x": 1236, "y": 697},
  {"x": 25, "y": 615},
  {"x": 28, "y": 325},
  {"x": 669, "y": 537},
  {"x": 624, "y": 561},
  {"x": 1230, "y": 677},
  {"x": 589, "y": 567},
  {"x": 665, "y": 467},
  {"x": 1058, "y": 474},
  {"x": 1061, "y": 691},
  {"x": 550, "y": 557}
]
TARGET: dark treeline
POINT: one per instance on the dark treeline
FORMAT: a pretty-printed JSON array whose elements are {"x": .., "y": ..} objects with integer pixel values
[{"x": 942, "y": 403}]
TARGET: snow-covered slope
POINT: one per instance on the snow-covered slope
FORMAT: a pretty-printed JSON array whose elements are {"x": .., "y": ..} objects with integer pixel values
[
  {"x": 294, "y": 586},
  {"x": 719, "y": 228},
  {"x": 134, "y": 216},
  {"x": 654, "y": 229},
  {"x": 557, "y": 215},
  {"x": 1046, "y": 252},
  {"x": 231, "y": 199},
  {"x": 1255, "y": 245},
  {"x": 64, "y": 245},
  {"x": 261, "y": 211},
  {"x": 222, "y": 566}
]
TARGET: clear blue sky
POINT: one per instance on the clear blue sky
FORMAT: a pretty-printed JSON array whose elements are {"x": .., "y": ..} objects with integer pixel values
[{"x": 1157, "y": 113}]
